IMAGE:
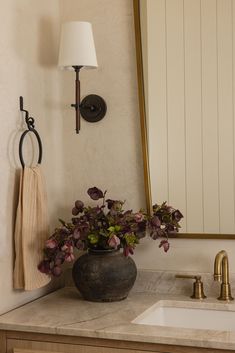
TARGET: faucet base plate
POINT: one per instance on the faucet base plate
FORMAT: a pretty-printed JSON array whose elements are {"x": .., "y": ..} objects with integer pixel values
[{"x": 225, "y": 293}]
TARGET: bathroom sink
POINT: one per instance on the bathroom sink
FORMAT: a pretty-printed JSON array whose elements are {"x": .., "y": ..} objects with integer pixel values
[{"x": 192, "y": 315}]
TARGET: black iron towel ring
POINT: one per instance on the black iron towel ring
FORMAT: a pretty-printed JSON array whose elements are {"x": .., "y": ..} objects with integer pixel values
[{"x": 30, "y": 124}]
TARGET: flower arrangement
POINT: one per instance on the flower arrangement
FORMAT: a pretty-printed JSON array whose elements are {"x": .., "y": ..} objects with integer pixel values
[{"x": 106, "y": 226}]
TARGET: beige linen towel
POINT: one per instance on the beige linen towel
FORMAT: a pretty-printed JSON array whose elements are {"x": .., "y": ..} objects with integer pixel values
[{"x": 31, "y": 230}]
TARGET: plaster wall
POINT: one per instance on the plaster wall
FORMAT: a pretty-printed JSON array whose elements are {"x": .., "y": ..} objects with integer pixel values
[{"x": 28, "y": 54}]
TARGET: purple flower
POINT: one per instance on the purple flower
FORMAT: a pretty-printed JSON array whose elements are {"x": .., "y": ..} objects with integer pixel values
[
  {"x": 165, "y": 244},
  {"x": 67, "y": 248},
  {"x": 58, "y": 261},
  {"x": 69, "y": 257},
  {"x": 44, "y": 267},
  {"x": 128, "y": 250},
  {"x": 51, "y": 243},
  {"x": 114, "y": 241},
  {"x": 57, "y": 271},
  {"x": 95, "y": 193},
  {"x": 139, "y": 217},
  {"x": 80, "y": 245},
  {"x": 157, "y": 232},
  {"x": 76, "y": 233},
  {"x": 155, "y": 221}
]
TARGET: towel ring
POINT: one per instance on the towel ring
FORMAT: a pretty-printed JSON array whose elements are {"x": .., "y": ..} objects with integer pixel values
[
  {"x": 21, "y": 146},
  {"x": 30, "y": 124}
]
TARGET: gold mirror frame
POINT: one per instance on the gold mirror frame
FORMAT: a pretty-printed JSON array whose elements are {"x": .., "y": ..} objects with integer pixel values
[{"x": 143, "y": 125}]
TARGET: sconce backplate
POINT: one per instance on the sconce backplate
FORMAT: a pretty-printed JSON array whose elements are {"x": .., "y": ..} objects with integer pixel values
[{"x": 93, "y": 108}]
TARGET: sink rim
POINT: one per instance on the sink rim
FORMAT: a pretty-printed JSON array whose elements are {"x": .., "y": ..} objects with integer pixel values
[{"x": 185, "y": 304}]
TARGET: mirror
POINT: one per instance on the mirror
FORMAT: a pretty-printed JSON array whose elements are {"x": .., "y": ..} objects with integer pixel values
[{"x": 185, "y": 61}]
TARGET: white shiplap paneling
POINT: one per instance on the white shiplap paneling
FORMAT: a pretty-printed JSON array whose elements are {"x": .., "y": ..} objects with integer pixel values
[
  {"x": 157, "y": 92},
  {"x": 175, "y": 104},
  {"x": 225, "y": 114},
  {"x": 193, "y": 116},
  {"x": 191, "y": 110}
]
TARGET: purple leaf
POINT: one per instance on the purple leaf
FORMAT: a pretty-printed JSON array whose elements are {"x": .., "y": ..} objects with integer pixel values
[
  {"x": 95, "y": 193},
  {"x": 75, "y": 211},
  {"x": 79, "y": 205},
  {"x": 177, "y": 215}
]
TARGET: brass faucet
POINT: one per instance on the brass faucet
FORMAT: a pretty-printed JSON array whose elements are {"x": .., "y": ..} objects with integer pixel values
[
  {"x": 221, "y": 273},
  {"x": 198, "y": 292}
]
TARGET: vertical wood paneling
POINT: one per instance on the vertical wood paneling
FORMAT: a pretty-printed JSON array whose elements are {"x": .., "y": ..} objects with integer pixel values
[
  {"x": 225, "y": 115},
  {"x": 191, "y": 110},
  {"x": 157, "y": 106},
  {"x": 210, "y": 116},
  {"x": 193, "y": 107},
  {"x": 175, "y": 101}
]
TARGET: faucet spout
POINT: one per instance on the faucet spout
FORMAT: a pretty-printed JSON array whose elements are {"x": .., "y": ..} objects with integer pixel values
[{"x": 221, "y": 273}]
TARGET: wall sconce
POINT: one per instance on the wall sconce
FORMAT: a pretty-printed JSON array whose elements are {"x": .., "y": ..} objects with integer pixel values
[{"x": 77, "y": 51}]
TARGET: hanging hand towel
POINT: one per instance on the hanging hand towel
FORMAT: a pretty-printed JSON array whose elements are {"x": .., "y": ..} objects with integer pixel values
[{"x": 31, "y": 230}]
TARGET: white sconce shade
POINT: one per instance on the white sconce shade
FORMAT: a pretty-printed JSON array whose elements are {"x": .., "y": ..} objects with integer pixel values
[{"x": 77, "y": 46}]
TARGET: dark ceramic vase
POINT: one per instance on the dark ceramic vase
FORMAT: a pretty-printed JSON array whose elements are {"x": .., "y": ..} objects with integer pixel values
[{"x": 104, "y": 275}]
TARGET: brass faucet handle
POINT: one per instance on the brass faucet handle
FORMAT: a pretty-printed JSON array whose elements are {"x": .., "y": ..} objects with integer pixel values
[{"x": 198, "y": 292}]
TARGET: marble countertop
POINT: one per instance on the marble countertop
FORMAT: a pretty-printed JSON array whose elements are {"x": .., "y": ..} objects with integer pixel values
[{"x": 64, "y": 312}]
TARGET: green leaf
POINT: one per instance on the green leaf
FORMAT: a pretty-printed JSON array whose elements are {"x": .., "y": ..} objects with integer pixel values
[
  {"x": 131, "y": 239},
  {"x": 62, "y": 222},
  {"x": 93, "y": 238},
  {"x": 104, "y": 233}
]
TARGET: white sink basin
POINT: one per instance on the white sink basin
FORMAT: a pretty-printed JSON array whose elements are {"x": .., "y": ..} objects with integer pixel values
[{"x": 188, "y": 315}]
